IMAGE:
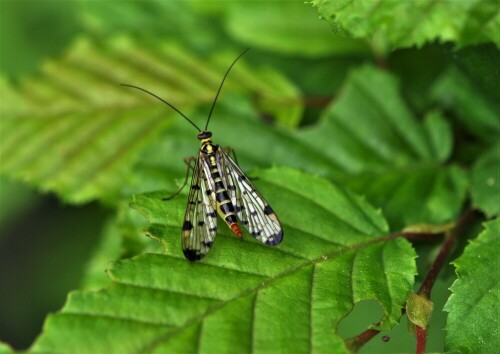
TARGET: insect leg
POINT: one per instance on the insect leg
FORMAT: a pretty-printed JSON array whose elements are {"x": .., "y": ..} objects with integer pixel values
[
  {"x": 230, "y": 151},
  {"x": 188, "y": 161}
]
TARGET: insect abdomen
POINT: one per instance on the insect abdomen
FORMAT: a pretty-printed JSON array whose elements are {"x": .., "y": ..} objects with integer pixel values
[{"x": 224, "y": 206}]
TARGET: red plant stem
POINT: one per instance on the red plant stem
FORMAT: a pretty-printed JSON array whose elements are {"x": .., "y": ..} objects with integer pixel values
[
  {"x": 418, "y": 236},
  {"x": 421, "y": 339},
  {"x": 449, "y": 242},
  {"x": 430, "y": 279},
  {"x": 356, "y": 342}
]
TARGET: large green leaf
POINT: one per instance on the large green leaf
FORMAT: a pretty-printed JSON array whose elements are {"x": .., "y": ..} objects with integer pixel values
[
  {"x": 291, "y": 28},
  {"x": 472, "y": 325},
  {"x": 410, "y": 183},
  {"x": 75, "y": 131},
  {"x": 241, "y": 295},
  {"x": 466, "y": 97},
  {"x": 408, "y": 23},
  {"x": 377, "y": 147},
  {"x": 5, "y": 348},
  {"x": 122, "y": 237},
  {"x": 479, "y": 64},
  {"x": 104, "y": 146},
  {"x": 485, "y": 182}
]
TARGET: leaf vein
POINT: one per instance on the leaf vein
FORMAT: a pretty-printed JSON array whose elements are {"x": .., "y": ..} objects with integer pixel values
[
  {"x": 313, "y": 201},
  {"x": 323, "y": 258},
  {"x": 135, "y": 285}
]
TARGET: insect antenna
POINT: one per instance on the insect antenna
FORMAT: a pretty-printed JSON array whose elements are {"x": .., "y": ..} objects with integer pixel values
[
  {"x": 220, "y": 87},
  {"x": 161, "y": 99}
]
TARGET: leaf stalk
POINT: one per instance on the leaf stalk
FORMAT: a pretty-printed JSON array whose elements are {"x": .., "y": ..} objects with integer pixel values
[{"x": 355, "y": 343}]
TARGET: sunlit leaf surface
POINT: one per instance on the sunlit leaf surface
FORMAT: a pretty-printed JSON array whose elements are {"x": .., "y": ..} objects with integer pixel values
[
  {"x": 408, "y": 23},
  {"x": 239, "y": 296}
]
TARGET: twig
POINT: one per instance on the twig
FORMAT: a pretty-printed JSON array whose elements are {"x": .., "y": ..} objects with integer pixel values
[
  {"x": 421, "y": 339},
  {"x": 430, "y": 279},
  {"x": 449, "y": 242},
  {"x": 356, "y": 342},
  {"x": 419, "y": 236}
]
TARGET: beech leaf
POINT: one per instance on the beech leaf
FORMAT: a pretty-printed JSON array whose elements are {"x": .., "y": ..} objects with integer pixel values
[{"x": 238, "y": 298}]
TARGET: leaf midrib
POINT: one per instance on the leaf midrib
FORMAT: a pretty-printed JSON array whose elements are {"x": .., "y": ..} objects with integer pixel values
[{"x": 262, "y": 285}]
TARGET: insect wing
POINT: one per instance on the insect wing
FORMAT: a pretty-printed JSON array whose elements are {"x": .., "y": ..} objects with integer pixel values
[
  {"x": 252, "y": 209},
  {"x": 200, "y": 221}
]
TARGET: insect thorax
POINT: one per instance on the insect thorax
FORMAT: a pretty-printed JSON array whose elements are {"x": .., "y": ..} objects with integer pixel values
[{"x": 208, "y": 148}]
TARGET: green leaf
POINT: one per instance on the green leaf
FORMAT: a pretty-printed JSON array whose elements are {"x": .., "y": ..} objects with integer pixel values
[
  {"x": 416, "y": 195},
  {"x": 485, "y": 182},
  {"x": 291, "y": 29},
  {"x": 239, "y": 296},
  {"x": 409, "y": 23},
  {"x": 472, "y": 325},
  {"x": 122, "y": 237},
  {"x": 440, "y": 139},
  {"x": 478, "y": 64},
  {"x": 109, "y": 249},
  {"x": 462, "y": 95},
  {"x": 371, "y": 126},
  {"x": 377, "y": 147},
  {"x": 81, "y": 141},
  {"x": 5, "y": 348},
  {"x": 416, "y": 80},
  {"x": 95, "y": 145}
]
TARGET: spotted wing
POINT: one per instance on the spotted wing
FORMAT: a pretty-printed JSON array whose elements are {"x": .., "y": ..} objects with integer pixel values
[
  {"x": 200, "y": 221},
  {"x": 252, "y": 209}
]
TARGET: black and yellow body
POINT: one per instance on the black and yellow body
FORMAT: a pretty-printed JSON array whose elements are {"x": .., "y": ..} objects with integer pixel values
[
  {"x": 219, "y": 187},
  {"x": 209, "y": 152}
]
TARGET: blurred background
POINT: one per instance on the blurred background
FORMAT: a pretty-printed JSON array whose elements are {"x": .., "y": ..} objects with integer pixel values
[{"x": 47, "y": 244}]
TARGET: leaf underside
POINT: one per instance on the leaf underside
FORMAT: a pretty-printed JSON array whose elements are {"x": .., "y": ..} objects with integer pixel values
[{"x": 81, "y": 141}]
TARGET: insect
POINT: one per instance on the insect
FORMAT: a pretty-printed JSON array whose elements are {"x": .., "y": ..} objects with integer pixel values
[{"x": 219, "y": 186}]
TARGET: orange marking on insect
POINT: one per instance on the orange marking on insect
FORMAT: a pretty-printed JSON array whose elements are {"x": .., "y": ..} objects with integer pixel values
[{"x": 236, "y": 229}]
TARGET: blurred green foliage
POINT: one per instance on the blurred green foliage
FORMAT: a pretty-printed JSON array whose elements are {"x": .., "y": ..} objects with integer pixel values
[{"x": 398, "y": 103}]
